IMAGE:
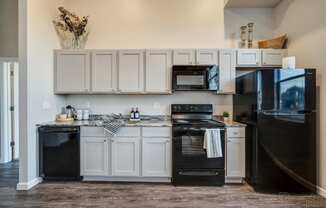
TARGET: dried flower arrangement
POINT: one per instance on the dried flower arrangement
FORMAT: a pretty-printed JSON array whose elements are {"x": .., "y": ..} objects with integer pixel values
[{"x": 71, "y": 29}]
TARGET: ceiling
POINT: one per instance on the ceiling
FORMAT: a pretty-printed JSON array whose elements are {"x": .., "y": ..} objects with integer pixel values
[{"x": 251, "y": 3}]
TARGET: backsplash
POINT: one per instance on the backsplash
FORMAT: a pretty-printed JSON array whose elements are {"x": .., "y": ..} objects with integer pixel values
[{"x": 148, "y": 104}]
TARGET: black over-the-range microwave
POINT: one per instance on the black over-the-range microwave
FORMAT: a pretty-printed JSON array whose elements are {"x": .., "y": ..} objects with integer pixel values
[{"x": 195, "y": 78}]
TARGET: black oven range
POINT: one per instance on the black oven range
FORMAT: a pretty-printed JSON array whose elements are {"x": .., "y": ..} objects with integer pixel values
[{"x": 191, "y": 166}]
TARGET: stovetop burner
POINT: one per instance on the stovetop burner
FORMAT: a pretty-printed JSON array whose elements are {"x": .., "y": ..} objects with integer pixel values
[{"x": 197, "y": 122}]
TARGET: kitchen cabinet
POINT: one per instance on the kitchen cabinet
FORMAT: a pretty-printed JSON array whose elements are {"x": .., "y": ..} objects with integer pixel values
[
  {"x": 131, "y": 71},
  {"x": 156, "y": 157},
  {"x": 272, "y": 57},
  {"x": 72, "y": 72},
  {"x": 104, "y": 71},
  {"x": 227, "y": 71},
  {"x": 207, "y": 57},
  {"x": 248, "y": 57},
  {"x": 94, "y": 156},
  {"x": 158, "y": 71},
  {"x": 235, "y": 159},
  {"x": 125, "y": 156},
  {"x": 184, "y": 57}
]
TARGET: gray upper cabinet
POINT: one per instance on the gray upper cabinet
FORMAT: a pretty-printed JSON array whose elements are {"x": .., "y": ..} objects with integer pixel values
[
  {"x": 104, "y": 71},
  {"x": 273, "y": 57},
  {"x": 207, "y": 57},
  {"x": 158, "y": 71},
  {"x": 72, "y": 72},
  {"x": 184, "y": 57},
  {"x": 227, "y": 71},
  {"x": 131, "y": 71},
  {"x": 248, "y": 57}
]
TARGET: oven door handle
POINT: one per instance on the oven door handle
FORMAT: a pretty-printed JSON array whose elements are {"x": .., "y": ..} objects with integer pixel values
[
  {"x": 199, "y": 173},
  {"x": 201, "y": 129}
]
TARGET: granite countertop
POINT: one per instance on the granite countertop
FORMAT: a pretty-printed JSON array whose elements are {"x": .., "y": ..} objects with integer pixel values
[
  {"x": 153, "y": 121},
  {"x": 229, "y": 123}
]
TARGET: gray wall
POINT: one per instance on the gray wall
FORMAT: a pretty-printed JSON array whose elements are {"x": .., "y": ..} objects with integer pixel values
[{"x": 8, "y": 28}]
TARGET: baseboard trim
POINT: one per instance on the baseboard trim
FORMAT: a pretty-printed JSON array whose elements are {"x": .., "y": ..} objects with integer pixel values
[
  {"x": 128, "y": 179},
  {"x": 321, "y": 191},
  {"x": 28, "y": 185}
]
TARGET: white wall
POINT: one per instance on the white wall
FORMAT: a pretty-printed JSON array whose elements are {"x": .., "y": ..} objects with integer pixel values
[
  {"x": 236, "y": 17},
  {"x": 148, "y": 104},
  {"x": 305, "y": 23},
  {"x": 36, "y": 78},
  {"x": 9, "y": 28},
  {"x": 153, "y": 23}
]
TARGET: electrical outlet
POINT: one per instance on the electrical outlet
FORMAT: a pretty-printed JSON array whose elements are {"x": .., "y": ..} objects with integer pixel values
[
  {"x": 157, "y": 105},
  {"x": 46, "y": 105}
]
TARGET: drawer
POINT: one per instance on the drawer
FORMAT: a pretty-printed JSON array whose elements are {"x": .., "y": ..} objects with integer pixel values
[
  {"x": 92, "y": 132},
  {"x": 129, "y": 132},
  {"x": 156, "y": 132},
  {"x": 236, "y": 132}
]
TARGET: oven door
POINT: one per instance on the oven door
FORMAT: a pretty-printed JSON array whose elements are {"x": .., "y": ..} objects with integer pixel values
[
  {"x": 195, "y": 78},
  {"x": 188, "y": 152}
]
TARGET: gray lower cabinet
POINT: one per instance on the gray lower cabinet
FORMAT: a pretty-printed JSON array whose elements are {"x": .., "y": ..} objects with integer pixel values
[
  {"x": 72, "y": 72},
  {"x": 156, "y": 157},
  {"x": 135, "y": 154},
  {"x": 125, "y": 156},
  {"x": 235, "y": 154},
  {"x": 95, "y": 156}
]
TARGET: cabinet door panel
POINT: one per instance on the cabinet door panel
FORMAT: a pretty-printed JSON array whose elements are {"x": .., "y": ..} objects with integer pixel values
[
  {"x": 227, "y": 71},
  {"x": 158, "y": 71},
  {"x": 207, "y": 57},
  {"x": 248, "y": 57},
  {"x": 104, "y": 71},
  {"x": 235, "y": 157},
  {"x": 125, "y": 156},
  {"x": 131, "y": 71},
  {"x": 94, "y": 156},
  {"x": 72, "y": 71},
  {"x": 184, "y": 57},
  {"x": 272, "y": 57},
  {"x": 156, "y": 160}
]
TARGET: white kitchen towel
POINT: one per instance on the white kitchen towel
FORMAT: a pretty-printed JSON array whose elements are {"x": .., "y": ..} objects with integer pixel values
[{"x": 212, "y": 143}]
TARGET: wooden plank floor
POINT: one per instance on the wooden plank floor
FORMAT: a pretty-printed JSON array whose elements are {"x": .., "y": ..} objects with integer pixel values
[
  {"x": 78, "y": 194},
  {"x": 9, "y": 174},
  {"x": 132, "y": 195}
]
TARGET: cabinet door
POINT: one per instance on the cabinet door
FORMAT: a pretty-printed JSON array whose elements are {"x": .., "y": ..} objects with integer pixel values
[
  {"x": 184, "y": 57},
  {"x": 235, "y": 160},
  {"x": 272, "y": 57},
  {"x": 72, "y": 72},
  {"x": 207, "y": 57},
  {"x": 156, "y": 157},
  {"x": 158, "y": 71},
  {"x": 227, "y": 72},
  {"x": 131, "y": 71},
  {"x": 248, "y": 57},
  {"x": 125, "y": 156},
  {"x": 94, "y": 156},
  {"x": 104, "y": 71}
]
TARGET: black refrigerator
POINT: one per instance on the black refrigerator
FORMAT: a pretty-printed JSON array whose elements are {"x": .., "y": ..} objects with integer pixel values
[{"x": 278, "y": 106}]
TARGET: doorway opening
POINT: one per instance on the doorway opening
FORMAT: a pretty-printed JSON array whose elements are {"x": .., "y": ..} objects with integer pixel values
[{"x": 9, "y": 123}]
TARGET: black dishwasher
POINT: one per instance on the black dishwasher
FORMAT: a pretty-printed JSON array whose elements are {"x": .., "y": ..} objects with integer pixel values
[{"x": 59, "y": 153}]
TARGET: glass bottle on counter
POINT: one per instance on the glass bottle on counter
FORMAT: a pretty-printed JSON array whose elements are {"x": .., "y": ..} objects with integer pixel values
[
  {"x": 132, "y": 113},
  {"x": 137, "y": 114}
]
